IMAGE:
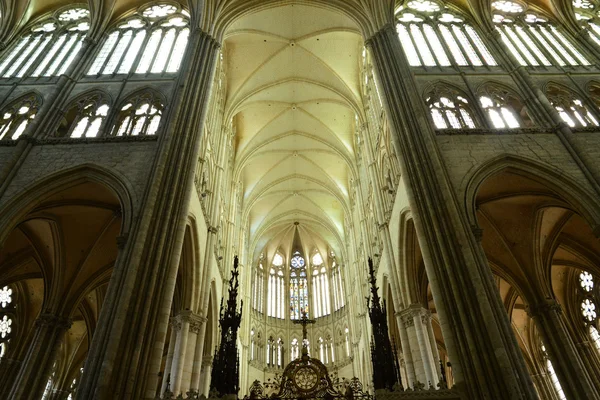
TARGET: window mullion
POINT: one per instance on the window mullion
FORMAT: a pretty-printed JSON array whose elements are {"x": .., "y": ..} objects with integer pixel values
[
  {"x": 531, "y": 44},
  {"x": 163, "y": 37},
  {"x": 412, "y": 39},
  {"x": 173, "y": 45},
  {"x": 140, "y": 54},
  {"x": 450, "y": 55},
  {"x": 40, "y": 57},
  {"x": 541, "y": 46},
  {"x": 474, "y": 46},
  {"x": 464, "y": 51},
  {"x": 111, "y": 52},
  {"x": 544, "y": 48},
  {"x": 124, "y": 55},
  {"x": 431, "y": 50}
]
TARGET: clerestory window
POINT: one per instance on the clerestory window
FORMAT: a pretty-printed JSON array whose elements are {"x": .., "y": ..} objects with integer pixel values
[
  {"x": 587, "y": 12},
  {"x": 320, "y": 287},
  {"x": 17, "y": 116},
  {"x": 49, "y": 47},
  {"x": 532, "y": 39},
  {"x": 432, "y": 36},
  {"x": 449, "y": 109},
  {"x": 298, "y": 287},
  {"x": 152, "y": 41}
]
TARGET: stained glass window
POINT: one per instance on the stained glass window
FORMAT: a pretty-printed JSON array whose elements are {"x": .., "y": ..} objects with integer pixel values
[
  {"x": 571, "y": 109},
  {"x": 298, "y": 287},
  {"x": 533, "y": 40},
  {"x": 5, "y": 326},
  {"x": 449, "y": 109},
  {"x": 17, "y": 116},
  {"x": 5, "y": 296},
  {"x": 320, "y": 287},
  {"x": 432, "y": 36},
  {"x": 152, "y": 41},
  {"x": 586, "y": 280},
  {"x": 588, "y": 310},
  {"x": 595, "y": 336},
  {"x": 48, "y": 48},
  {"x": 140, "y": 116}
]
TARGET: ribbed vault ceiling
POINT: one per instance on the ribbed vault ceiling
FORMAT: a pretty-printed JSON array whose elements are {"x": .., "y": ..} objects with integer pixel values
[{"x": 293, "y": 94}]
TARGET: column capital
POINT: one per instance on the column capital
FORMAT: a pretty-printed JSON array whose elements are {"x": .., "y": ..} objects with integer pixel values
[
  {"x": 543, "y": 309},
  {"x": 51, "y": 320}
]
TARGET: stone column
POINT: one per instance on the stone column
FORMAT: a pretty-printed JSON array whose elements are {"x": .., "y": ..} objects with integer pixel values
[
  {"x": 419, "y": 315},
  {"x": 126, "y": 351},
  {"x": 60, "y": 394},
  {"x": 487, "y": 362},
  {"x": 9, "y": 369},
  {"x": 416, "y": 354},
  {"x": 544, "y": 386},
  {"x": 199, "y": 327},
  {"x": 169, "y": 360},
  {"x": 576, "y": 381},
  {"x": 37, "y": 365},
  {"x": 183, "y": 322},
  {"x": 206, "y": 375},
  {"x": 433, "y": 344},
  {"x": 408, "y": 361}
]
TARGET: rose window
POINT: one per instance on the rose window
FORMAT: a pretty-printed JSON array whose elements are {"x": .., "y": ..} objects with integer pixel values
[
  {"x": 588, "y": 310},
  {"x": 587, "y": 281},
  {"x": 5, "y": 296},
  {"x": 5, "y": 324}
]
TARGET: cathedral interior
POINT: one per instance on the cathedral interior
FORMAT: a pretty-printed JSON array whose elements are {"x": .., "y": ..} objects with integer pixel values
[{"x": 145, "y": 144}]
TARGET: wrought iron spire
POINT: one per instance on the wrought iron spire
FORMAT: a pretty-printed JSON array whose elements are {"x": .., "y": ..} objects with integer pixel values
[
  {"x": 225, "y": 371},
  {"x": 386, "y": 373}
]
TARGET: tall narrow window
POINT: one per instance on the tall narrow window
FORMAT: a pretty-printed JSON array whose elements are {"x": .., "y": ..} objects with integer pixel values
[
  {"x": 555, "y": 382},
  {"x": 533, "y": 40},
  {"x": 252, "y": 344},
  {"x": 48, "y": 48},
  {"x": 432, "y": 36},
  {"x": 6, "y": 318},
  {"x": 151, "y": 41},
  {"x": 298, "y": 287},
  {"x": 276, "y": 289},
  {"x": 347, "y": 341},
  {"x": 449, "y": 109},
  {"x": 320, "y": 287},
  {"x": 140, "y": 116},
  {"x": 571, "y": 109},
  {"x": 586, "y": 12},
  {"x": 258, "y": 286},
  {"x": 15, "y": 118}
]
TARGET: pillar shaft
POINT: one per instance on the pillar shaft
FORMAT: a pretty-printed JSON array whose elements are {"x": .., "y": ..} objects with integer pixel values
[
  {"x": 198, "y": 355},
  {"x": 408, "y": 361},
  {"x": 486, "y": 359},
  {"x": 169, "y": 360},
  {"x": 37, "y": 365},
  {"x": 124, "y": 358},
  {"x": 574, "y": 378}
]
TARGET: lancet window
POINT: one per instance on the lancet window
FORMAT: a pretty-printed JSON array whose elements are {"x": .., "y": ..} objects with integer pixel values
[
  {"x": 276, "y": 289},
  {"x": 152, "y": 41},
  {"x": 432, "y": 36},
  {"x": 347, "y": 341},
  {"x": 571, "y": 109},
  {"x": 320, "y": 287},
  {"x": 259, "y": 286},
  {"x": 6, "y": 318},
  {"x": 552, "y": 374},
  {"x": 532, "y": 39},
  {"x": 298, "y": 287},
  {"x": 15, "y": 118},
  {"x": 503, "y": 109},
  {"x": 139, "y": 116},
  {"x": 587, "y": 13},
  {"x": 48, "y": 48},
  {"x": 338, "y": 291},
  {"x": 449, "y": 109},
  {"x": 85, "y": 117},
  {"x": 588, "y": 309}
]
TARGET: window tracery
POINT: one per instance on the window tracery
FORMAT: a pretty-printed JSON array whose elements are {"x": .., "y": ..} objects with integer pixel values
[
  {"x": 152, "y": 41},
  {"x": 532, "y": 39},
  {"x": 15, "y": 118},
  {"x": 85, "y": 117},
  {"x": 6, "y": 318},
  {"x": 431, "y": 36},
  {"x": 338, "y": 289},
  {"x": 503, "y": 109},
  {"x": 139, "y": 116},
  {"x": 276, "y": 289},
  {"x": 571, "y": 109},
  {"x": 587, "y": 12},
  {"x": 552, "y": 373},
  {"x": 320, "y": 287},
  {"x": 449, "y": 109},
  {"x": 258, "y": 287},
  {"x": 298, "y": 287},
  {"x": 49, "y": 47}
]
